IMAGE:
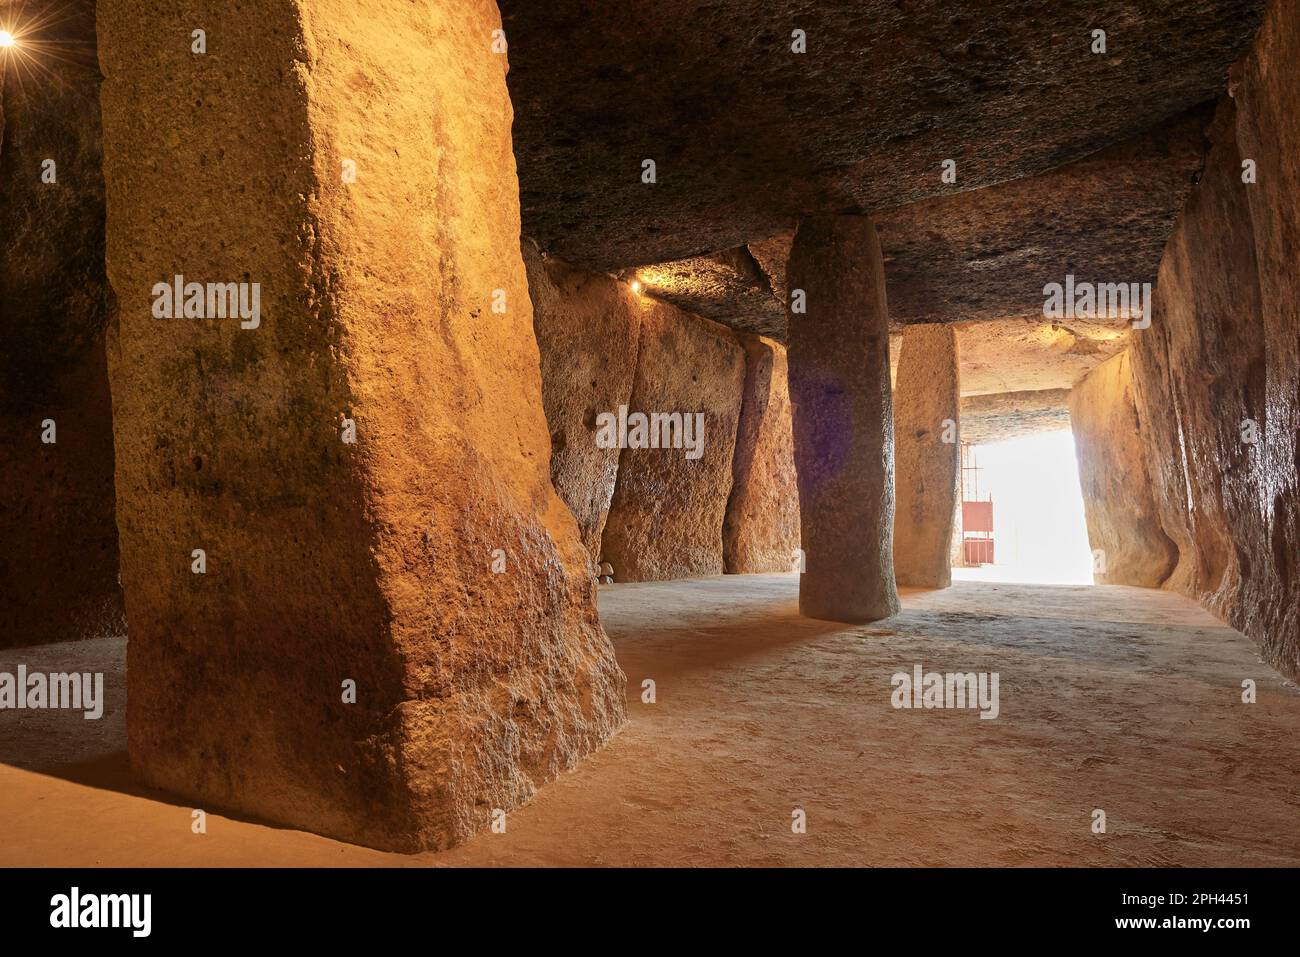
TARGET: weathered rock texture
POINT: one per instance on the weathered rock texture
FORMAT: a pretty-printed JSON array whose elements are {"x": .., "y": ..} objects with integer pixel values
[
  {"x": 761, "y": 531},
  {"x": 1268, "y": 131},
  {"x": 927, "y": 455},
  {"x": 748, "y": 135},
  {"x": 1220, "y": 365},
  {"x": 1011, "y": 415},
  {"x": 1194, "y": 369},
  {"x": 588, "y": 327},
  {"x": 1123, "y": 521},
  {"x": 987, "y": 253},
  {"x": 666, "y": 517},
  {"x": 1033, "y": 354},
  {"x": 58, "y": 538},
  {"x": 843, "y": 422},
  {"x": 729, "y": 287},
  {"x": 983, "y": 254},
  {"x": 329, "y": 562}
]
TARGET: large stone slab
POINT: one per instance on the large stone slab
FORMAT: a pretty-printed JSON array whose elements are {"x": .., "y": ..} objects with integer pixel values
[
  {"x": 982, "y": 256},
  {"x": 843, "y": 421},
  {"x": 730, "y": 287},
  {"x": 1217, "y": 376},
  {"x": 1123, "y": 519},
  {"x": 750, "y": 132},
  {"x": 58, "y": 537},
  {"x": 999, "y": 416},
  {"x": 1209, "y": 341},
  {"x": 761, "y": 531},
  {"x": 927, "y": 455},
  {"x": 430, "y": 562},
  {"x": 588, "y": 328},
  {"x": 666, "y": 517},
  {"x": 1267, "y": 91}
]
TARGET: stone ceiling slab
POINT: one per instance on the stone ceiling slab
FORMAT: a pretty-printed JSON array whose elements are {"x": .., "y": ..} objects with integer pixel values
[{"x": 747, "y": 135}]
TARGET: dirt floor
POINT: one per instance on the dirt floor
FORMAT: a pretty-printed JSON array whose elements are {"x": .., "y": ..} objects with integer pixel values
[{"x": 1122, "y": 699}]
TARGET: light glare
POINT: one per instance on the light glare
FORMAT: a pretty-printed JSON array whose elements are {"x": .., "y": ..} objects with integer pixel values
[
  {"x": 1038, "y": 518},
  {"x": 7, "y": 39}
]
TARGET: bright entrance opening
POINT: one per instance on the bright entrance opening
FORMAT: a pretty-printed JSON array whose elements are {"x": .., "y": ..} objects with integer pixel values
[{"x": 1038, "y": 532}]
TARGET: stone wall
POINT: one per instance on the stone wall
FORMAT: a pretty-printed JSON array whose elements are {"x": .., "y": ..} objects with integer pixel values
[
  {"x": 1267, "y": 92},
  {"x": 1199, "y": 371},
  {"x": 666, "y": 517},
  {"x": 1123, "y": 520},
  {"x": 58, "y": 537},
  {"x": 1217, "y": 375},
  {"x": 653, "y": 513},
  {"x": 588, "y": 330}
]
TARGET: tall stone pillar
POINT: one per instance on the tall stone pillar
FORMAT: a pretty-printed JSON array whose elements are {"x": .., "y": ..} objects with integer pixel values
[
  {"x": 761, "y": 531},
  {"x": 356, "y": 604},
  {"x": 926, "y": 409},
  {"x": 843, "y": 424}
]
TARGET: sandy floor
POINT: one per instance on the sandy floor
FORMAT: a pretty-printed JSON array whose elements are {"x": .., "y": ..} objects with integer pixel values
[{"x": 1115, "y": 698}]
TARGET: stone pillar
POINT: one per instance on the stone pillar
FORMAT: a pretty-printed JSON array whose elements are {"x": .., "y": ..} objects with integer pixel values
[
  {"x": 58, "y": 536},
  {"x": 356, "y": 604},
  {"x": 926, "y": 409},
  {"x": 761, "y": 531},
  {"x": 843, "y": 424}
]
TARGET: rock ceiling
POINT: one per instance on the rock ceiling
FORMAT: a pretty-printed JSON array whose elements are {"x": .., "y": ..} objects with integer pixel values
[
  {"x": 747, "y": 135},
  {"x": 1067, "y": 161}
]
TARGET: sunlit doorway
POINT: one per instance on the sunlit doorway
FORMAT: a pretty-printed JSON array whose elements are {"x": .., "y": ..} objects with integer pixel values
[{"x": 1032, "y": 528}]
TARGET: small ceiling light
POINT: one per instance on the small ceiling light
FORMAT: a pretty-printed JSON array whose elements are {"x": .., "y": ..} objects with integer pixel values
[
  {"x": 7, "y": 39},
  {"x": 636, "y": 286}
]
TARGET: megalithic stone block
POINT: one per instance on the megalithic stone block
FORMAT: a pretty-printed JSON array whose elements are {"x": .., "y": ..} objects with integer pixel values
[
  {"x": 588, "y": 329},
  {"x": 927, "y": 455},
  {"x": 1122, "y": 514},
  {"x": 670, "y": 501},
  {"x": 761, "y": 531},
  {"x": 381, "y": 640},
  {"x": 1268, "y": 132},
  {"x": 843, "y": 424}
]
